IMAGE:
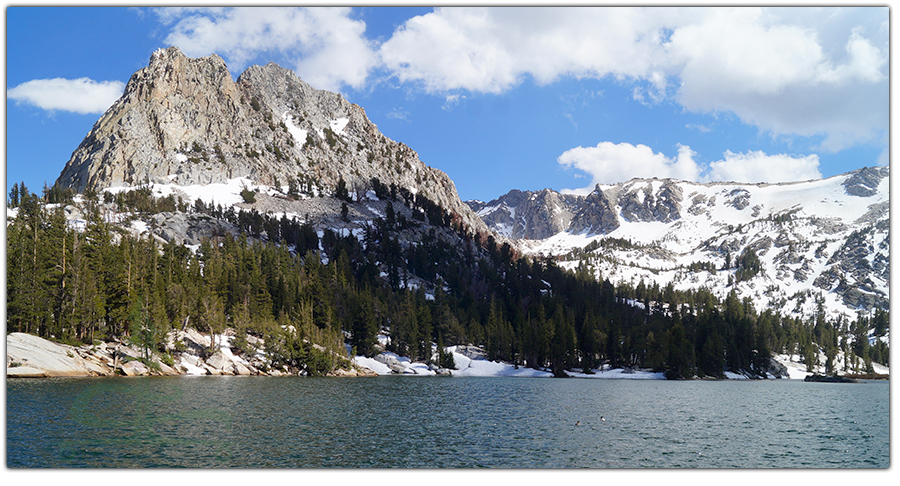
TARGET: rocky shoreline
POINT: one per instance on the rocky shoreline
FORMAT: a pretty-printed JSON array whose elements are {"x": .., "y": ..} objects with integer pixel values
[
  {"x": 29, "y": 356},
  {"x": 190, "y": 352}
]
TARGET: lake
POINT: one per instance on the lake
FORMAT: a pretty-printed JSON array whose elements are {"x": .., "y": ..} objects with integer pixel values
[{"x": 416, "y": 422}]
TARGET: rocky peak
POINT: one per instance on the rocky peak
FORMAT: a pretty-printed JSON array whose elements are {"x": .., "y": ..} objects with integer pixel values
[
  {"x": 596, "y": 215},
  {"x": 650, "y": 200},
  {"x": 185, "y": 121},
  {"x": 528, "y": 214}
]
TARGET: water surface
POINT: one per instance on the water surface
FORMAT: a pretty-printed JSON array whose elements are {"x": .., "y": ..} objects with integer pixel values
[{"x": 415, "y": 422}]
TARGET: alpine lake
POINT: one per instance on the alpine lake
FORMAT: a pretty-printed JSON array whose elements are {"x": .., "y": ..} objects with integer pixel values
[{"x": 441, "y": 422}]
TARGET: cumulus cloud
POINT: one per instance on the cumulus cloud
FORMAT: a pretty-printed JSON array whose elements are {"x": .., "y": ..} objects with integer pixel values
[
  {"x": 756, "y": 166},
  {"x": 786, "y": 71},
  {"x": 608, "y": 163},
  {"x": 326, "y": 46},
  {"x": 82, "y": 95},
  {"x": 781, "y": 77},
  {"x": 491, "y": 49}
]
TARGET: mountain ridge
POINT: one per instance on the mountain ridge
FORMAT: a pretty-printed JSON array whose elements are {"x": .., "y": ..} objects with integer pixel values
[{"x": 813, "y": 233}]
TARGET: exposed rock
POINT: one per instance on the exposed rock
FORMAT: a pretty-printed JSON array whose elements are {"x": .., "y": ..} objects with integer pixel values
[
  {"x": 239, "y": 369},
  {"x": 739, "y": 199},
  {"x": 356, "y": 371},
  {"x": 777, "y": 369},
  {"x": 24, "y": 372},
  {"x": 596, "y": 215},
  {"x": 864, "y": 182},
  {"x": 526, "y": 214},
  {"x": 698, "y": 204},
  {"x": 471, "y": 352},
  {"x": 30, "y": 353},
  {"x": 396, "y": 366},
  {"x": 189, "y": 229}
]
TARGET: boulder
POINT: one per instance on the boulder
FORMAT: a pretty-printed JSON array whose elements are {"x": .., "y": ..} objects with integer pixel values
[
  {"x": 396, "y": 366},
  {"x": 134, "y": 368},
  {"x": 777, "y": 369},
  {"x": 168, "y": 370},
  {"x": 240, "y": 369},
  {"x": 221, "y": 363}
]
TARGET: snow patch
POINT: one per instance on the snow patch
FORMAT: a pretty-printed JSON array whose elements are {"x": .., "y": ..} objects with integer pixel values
[
  {"x": 298, "y": 133},
  {"x": 337, "y": 126}
]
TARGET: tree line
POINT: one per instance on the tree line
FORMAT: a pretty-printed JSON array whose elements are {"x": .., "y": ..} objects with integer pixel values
[{"x": 308, "y": 296}]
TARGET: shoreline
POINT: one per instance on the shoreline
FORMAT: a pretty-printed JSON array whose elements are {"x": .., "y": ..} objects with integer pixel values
[{"x": 29, "y": 356}]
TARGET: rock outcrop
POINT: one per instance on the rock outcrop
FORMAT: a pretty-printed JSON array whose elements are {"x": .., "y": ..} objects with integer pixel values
[
  {"x": 30, "y": 356},
  {"x": 597, "y": 215},
  {"x": 864, "y": 182},
  {"x": 529, "y": 215}
]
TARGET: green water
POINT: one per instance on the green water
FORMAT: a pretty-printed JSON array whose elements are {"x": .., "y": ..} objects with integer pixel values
[{"x": 416, "y": 422}]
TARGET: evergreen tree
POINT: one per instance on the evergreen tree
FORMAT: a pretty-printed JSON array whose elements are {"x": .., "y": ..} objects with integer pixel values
[{"x": 14, "y": 196}]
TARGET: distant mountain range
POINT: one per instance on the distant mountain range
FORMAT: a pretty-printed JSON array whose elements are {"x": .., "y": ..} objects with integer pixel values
[{"x": 817, "y": 242}]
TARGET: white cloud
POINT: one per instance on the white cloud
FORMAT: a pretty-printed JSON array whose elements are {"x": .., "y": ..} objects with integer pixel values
[
  {"x": 492, "y": 49},
  {"x": 756, "y": 166},
  {"x": 80, "y": 95},
  {"x": 608, "y": 163},
  {"x": 327, "y": 48},
  {"x": 788, "y": 71},
  {"x": 783, "y": 78}
]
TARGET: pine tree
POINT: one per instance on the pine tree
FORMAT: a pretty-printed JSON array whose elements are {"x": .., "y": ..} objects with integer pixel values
[{"x": 14, "y": 196}]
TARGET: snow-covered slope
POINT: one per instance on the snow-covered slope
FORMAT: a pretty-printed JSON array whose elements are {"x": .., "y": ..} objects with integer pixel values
[{"x": 817, "y": 241}]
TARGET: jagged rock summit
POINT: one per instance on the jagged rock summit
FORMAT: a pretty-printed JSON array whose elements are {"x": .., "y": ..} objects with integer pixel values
[{"x": 185, "y": 121}]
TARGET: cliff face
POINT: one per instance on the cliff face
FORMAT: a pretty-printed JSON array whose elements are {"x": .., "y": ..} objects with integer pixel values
[{"x": 185, "y": 121}]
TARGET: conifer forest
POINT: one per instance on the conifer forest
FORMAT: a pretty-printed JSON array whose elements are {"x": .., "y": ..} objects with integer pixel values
[{"x": 303, "y": 290}]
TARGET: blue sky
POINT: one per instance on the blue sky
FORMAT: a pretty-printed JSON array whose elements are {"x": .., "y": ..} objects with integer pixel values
[{"x": 502, "y": 98}]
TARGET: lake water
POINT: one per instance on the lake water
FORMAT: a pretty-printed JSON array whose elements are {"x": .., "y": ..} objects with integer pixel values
[{"x": 414, "y": 422}]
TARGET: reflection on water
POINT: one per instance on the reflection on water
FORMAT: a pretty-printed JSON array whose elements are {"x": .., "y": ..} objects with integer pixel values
[{"x": 257, "y": 422}]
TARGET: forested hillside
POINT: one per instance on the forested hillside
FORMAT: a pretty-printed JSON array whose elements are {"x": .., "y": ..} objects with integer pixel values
[{"x": 415, "y": 275}]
